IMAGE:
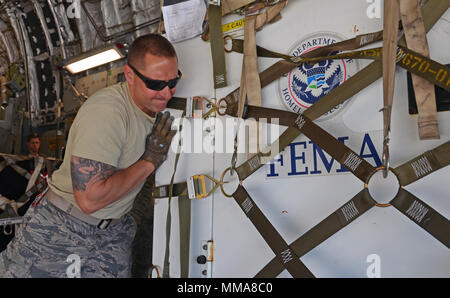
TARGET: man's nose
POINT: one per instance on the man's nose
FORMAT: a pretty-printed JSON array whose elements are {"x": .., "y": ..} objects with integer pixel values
[{"x": 166, "y": 92}]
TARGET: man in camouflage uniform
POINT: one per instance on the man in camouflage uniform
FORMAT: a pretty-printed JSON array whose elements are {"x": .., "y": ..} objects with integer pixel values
[{"x": 82, "y": 226}]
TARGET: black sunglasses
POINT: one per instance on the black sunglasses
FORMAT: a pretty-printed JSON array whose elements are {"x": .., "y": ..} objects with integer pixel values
[{"x": 157, "y": 85}]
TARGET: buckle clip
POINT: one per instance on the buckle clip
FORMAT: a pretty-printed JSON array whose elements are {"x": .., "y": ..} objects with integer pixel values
[
  {"x": 197, "y": 187},
  {"x": 104, "y": 223}
]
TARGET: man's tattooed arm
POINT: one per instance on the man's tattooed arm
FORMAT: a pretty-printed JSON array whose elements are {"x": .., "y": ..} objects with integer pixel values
[
  {"x": 86, "y": 172},
  {"x": 96, "y": 184}
]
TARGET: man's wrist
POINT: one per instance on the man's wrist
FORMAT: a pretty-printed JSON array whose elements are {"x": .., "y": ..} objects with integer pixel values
[{"x": 148, "y": 164}]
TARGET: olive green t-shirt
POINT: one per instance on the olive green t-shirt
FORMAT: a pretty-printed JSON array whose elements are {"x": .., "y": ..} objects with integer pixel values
[{"x": 109, "y": 128}]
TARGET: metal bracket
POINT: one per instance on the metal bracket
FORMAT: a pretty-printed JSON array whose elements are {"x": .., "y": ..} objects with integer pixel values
[{"x": 206, "y": 258}]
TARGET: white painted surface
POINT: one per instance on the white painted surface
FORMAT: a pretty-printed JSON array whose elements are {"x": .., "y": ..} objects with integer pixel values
[{"x": 297, "y": 203}]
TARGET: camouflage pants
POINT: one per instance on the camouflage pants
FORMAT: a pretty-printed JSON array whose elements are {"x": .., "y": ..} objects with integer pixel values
[{"x": 52, "y": 243}]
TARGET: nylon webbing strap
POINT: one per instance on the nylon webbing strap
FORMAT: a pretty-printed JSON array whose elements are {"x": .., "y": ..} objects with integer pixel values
[
  {"x": 270, "y": 14},
  {"x": 431, "y": 13},
  {"x": 281, "y": 67},
  {"x": 21, "y": 171},
  {"x": 184, "y": 213},
  {"x": 338, "y": 95},
  {"x": 5, "y": 203},
  {"x": 250, "y": 64},
  {"x": 336, "y": 221},
  {"x": 424, "y": 164},
  {"x": 231, "y": 5},
  {"x": 423, "y": 215},
  {"x": 390, "y": 22},
  {"x": 178, "y": 189},
  {"x": 416, "y": 39},
  {"x": 358, "y": 166},
  {"x": 284, "y": 117},
  {"x": 166, "y": 269},
  {"x": 349, "y": 44},
  {"x": 282, "y": 251},
  {"x": 36, "y": 172},
  {"x": 216, "y": 42},
  {"x": 414, "y": 62},
  {"x": 251, "y": 75},
  {"x": 15, "y": 157},
  {"x": 177, "y": 103},
  {"x": 35, "y": 189},
  {"x": 428, "y": 69}
]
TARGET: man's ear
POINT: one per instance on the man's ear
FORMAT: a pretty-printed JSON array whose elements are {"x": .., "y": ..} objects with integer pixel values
[{"x": 129, "y": 74}]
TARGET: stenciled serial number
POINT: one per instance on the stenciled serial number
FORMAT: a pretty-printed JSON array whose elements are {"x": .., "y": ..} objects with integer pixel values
[{"x": 423, "y": 66}]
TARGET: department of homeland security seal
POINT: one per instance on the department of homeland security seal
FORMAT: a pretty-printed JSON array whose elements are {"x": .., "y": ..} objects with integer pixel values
[{"x": 306, "y": 84}]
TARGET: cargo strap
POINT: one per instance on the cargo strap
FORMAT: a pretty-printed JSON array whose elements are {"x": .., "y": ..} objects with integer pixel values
[
  {"x": 423, "y": 215},
  {"x": 250, "y": 84},
  {"x": 430, "y": 70},
  {"x": 21, "y": 171},
  {"x": 23, "y": 199},
  {"x": 432, "y": 11},
  {"x": 282, "y": 67},
  {"x": 217, "y": 49},
  {"x": 229, "y": 6},
  {"x": 424, "y": 164},
  {"x": 195, "y": 188},
  {"x": 35, "y": 183},
  {"x": 415, "y": 209},
  {"x": 283, "y": 252},
  {"x": 369, "y": 74},
  {"x": 363, "y": 170},
  {"x": 193, "y": 106},
  {"x": 337, "y": 96},
  {"x": 390, "y": 21},
  {"x": 336, "y": 221},
  {"x": 4, "y": 202},
  {"x": 341, "y": 153},
  {"x": 271, "y": 14},
  {"x": 36, "y": 172},
  {"x": 332, "y": 99},
  {"x": 416, "y": 39},
  {"x": 184, "y": 212},
  {"x": 181, "y": 190},
  {"x": 143, "y": 212},
  {"x": 248, "y": 7},
  {"x": 365, "y": 77},
  {"x": 230, "y": 102},
  {"x": 250, "y": 64}
]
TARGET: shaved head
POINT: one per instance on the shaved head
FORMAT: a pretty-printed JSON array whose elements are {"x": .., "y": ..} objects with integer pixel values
[{"x": 154, "y": 44}]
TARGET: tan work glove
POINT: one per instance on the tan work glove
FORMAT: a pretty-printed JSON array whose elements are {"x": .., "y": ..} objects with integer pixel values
[{"x": 158, "y": 141}]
